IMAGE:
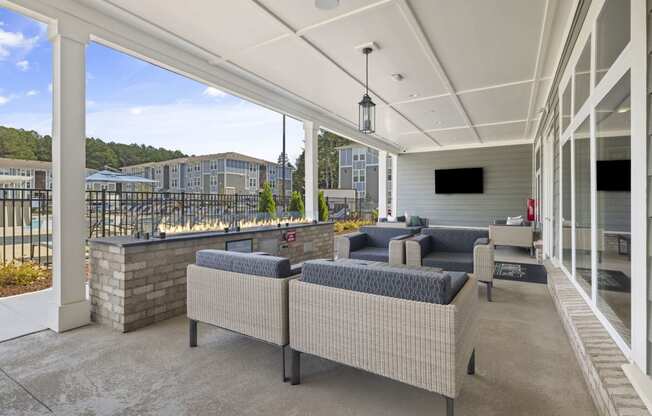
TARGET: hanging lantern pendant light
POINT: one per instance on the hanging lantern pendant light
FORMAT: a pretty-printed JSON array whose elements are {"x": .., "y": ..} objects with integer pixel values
[{"x": 367, "y": 108}]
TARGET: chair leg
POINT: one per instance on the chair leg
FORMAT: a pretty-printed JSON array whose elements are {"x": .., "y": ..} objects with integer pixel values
[
  {"x": 193, "y": 332},
  {"x": 285, "y": 379},
  {"x": 490, "y": 285},
  {"x": 296, "y": 367},
  {"x": 450, "y": 407},
  {"x": 470, "y": 370}
]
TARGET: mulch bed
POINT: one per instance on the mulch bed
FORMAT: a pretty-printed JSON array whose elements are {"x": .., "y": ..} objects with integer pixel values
[{"x": 19, "y": 290}]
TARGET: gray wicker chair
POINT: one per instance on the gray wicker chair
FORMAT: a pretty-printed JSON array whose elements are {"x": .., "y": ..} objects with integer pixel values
[
  {"x": 412, "y": 339},
  {"x": 458, "y": 249},
  {"x": 245, "y": 293}
]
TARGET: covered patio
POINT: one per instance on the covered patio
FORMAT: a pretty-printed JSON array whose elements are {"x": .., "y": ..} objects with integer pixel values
[{"x": 521, "y": 92}]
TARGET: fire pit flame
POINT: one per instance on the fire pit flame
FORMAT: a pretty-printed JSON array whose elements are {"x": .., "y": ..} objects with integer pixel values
[{"x": 209, "y": 226}]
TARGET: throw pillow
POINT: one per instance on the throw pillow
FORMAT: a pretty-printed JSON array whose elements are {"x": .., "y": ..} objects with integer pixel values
[
  {"x": 415, "y": 221},
  {"x": 515, "y": 220}
]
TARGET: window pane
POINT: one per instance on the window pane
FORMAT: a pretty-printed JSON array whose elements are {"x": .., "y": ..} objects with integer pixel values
[
  {"x": 612, "y": 34},
  {"x": 583, "y": 76},
  {"x": 583, "y": 206},
  {"x": 613, "y": 155},
  {"x": 566, "y": 107},
  {"x": 566, "y": 206}
]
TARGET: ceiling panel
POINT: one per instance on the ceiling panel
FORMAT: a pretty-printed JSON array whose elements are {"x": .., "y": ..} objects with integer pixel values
[
  {"x": 501, "y": 132},
  {"x": 497, "y": 104},
  {"x": 224, "y": 27},
  {"x": 455, "y": 137},
  {"x": 303, "y": 13},
  {"x": 482, "y": 43},
  {"x": 391, "y": 124},
  {"x": 398, "y": 54},
  {"x": 435, "y": 113},
  {"x": 414, "y": 141}
]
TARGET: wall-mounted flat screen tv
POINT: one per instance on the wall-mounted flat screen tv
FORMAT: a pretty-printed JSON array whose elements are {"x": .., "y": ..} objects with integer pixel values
[
  {"x": 459, "y": 181},
  {"x": 614, "y": 175}
]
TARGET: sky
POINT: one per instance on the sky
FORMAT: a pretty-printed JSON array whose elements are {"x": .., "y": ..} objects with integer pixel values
[{"x": 132, "y": 101}]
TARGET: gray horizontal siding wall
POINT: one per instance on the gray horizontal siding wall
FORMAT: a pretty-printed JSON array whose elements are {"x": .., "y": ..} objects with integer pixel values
[{"x": 507, "y": 185}]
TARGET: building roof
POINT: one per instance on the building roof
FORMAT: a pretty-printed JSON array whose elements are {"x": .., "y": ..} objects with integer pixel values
[
  {"x": 190, "y": 159},
  {"x": 22, "y": 163}
]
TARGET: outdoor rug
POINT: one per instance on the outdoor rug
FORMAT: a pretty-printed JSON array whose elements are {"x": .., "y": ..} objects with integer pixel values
[
  {"x": 520, "y": 272},
  {"x": 613, "y": 280}
]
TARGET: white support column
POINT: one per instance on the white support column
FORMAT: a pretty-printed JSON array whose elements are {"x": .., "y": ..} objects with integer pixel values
[
  {"x": 71, "y": 309},
  {"x": 311, "y": 131},
  {"x": 382, "y": 184},
  {"x": 395, "y": 212}
]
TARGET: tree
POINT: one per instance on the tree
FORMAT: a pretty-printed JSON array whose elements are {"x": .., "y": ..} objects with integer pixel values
[
  {"x": 327, "y": 158},
  {"x": 323, "y": 208},
  {"x": 296, "y": 204},
  {"x": 29, "y": 145},
  {"x": 266, "y": 202}
]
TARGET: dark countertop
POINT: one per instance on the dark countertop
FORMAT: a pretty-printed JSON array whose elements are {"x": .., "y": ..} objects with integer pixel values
[{"x": 128, "y": 241}]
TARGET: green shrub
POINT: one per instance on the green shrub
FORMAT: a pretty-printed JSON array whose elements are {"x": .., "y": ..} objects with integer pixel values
[
  {"x": 21, "y": 274},
  {"x": 266, "y": 202},
  {"x": 323, "y": 208},
  {"x": 296, "y": 204}
]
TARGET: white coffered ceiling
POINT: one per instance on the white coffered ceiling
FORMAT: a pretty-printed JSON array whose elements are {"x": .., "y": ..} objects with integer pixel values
[{"x": 475, "y": 71}]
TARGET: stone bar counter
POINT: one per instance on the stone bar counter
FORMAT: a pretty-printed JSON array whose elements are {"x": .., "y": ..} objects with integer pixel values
[{"x": 136, "y": 282}]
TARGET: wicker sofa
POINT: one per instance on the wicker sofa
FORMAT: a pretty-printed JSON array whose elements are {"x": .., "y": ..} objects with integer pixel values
[
  {"x": 454, "y": 249},
  {"x": 373, "y": 243},
  {"x": 502, "y": 234},
  {"x": 413, "y": 325},
  {"x": 242, "y": 292}
]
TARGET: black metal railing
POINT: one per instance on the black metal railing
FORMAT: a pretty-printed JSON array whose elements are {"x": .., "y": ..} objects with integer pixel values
[{"x": 26, "y": 216}]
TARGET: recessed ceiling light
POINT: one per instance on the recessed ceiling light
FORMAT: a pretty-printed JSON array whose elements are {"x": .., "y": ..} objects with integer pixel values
[
  {"x": 623, "y": 109},
  {"x": 398, "y": 77},
  {"x": 415, "y": 95},
  {"x": 327, "y": 4}
]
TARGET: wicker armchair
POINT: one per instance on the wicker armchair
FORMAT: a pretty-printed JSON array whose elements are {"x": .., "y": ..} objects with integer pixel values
[
  {"x": 427, "y": 345},
  {"x": 453, "y": 249},
  {"x": 241, "y": 292},
  {"x": 373, "y": 243}
]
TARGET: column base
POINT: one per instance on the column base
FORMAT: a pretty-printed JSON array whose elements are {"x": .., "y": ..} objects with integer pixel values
[{"x": 70, "y": 316}]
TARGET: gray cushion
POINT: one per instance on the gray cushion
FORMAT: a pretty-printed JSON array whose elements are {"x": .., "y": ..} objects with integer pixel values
[
  {"x": 245, "y": 263},
  {"x": 453, "y": 239},
  {"x": 381, "y": 236},
  {"x": 403, "y": 282},
  {"x": 457, "y": 281},
  {"x": 449, "y": 261},
  {"x": 371, "y": 254}
]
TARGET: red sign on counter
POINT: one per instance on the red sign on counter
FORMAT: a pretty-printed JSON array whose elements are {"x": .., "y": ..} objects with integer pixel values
[{"x": 291, "y": 236}]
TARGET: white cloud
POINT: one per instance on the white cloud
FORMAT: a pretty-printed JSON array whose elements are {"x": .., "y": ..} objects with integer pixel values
[
  {"x": 23, "y": 65},
  {"x": 50, "y": 87},
  {"x": 213, "y": 92},
  {"x": 15, "y": 40},
  {"x": 136, "y": 111},
  {"x": 4, "y": 100},
  {"x": 90, "y": 103},
  {"x": 31, "y": 93}
]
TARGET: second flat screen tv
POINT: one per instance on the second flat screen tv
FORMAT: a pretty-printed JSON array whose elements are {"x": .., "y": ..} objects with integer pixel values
[{"x": 459, "y": 181}]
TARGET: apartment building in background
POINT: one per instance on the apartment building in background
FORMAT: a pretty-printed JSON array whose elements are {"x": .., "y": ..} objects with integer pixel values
[
  {"x": 358, "y": 170},
  {"x": 221, "y": 173}
]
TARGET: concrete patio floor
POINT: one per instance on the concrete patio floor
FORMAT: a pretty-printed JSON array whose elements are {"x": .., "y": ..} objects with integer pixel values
[{"x": 525, "y": 366}]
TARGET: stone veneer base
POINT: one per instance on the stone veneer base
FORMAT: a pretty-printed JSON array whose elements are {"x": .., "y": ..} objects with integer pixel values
[
  {"x": 135, "y": 283},
  {"x": 599, "y": 357}
]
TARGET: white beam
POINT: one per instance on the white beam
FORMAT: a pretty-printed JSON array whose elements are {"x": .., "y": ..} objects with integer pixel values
[
  {"x": 382, "y": 184},
  {"x": 70, "y": 309},
  {"x": 394, "y": 185},
  {"x": 311, "y": 131}
]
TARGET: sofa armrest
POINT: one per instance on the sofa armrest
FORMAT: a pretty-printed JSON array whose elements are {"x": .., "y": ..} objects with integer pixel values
[
  {"x": 350, "y": 242},
  {"x": 483, "y": 262},
  {"x": 416, "y": 248},
  {"x": 397, "y": 251},
  {"x": 402, "y": 237}
]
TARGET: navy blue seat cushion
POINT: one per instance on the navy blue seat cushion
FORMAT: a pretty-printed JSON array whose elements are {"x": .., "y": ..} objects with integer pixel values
[
  {"x": 371, "y": 254},
  {"x": 245, "y": 263},
  {"x": 453, "y": 239},
  {"x": 450, "y": 261},
  {"x": 381, "y": 236},
  {"x": 403, "y": 282}
]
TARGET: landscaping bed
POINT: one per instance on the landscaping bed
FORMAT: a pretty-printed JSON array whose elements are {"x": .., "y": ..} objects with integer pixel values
[{"x": 19, "y": 278}]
